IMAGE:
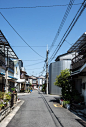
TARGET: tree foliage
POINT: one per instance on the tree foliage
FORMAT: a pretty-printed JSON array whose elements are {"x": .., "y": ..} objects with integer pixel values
[{"x": 63, "y": 82}]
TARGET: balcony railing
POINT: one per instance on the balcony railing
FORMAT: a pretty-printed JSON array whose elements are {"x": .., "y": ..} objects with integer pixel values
[
  {"x": 78, "y": 61},
  {"x": 2, "y": 58},
  {"x": 11, "y": 65}
]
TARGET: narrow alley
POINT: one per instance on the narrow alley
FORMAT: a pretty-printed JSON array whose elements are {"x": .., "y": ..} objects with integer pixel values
[{"x": 38, "y": 110}]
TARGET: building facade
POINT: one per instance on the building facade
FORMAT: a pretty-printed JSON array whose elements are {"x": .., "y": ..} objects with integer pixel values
[
  {"x": 7, "y": 79},
  {"x": 62, "y": 62},
  {"x": 78, "y": 65},
  {"x": 41, "y": 81}
]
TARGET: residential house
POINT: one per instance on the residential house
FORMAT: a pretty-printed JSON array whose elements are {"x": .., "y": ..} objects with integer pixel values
[
  {"x": 33, "y": 81},
  {"x": 27, "y": 81},
  {"x": 78, "y": 65},
  {"x": 7, "y": 79},
  {"x": 61, "y": 63},
  {"x": 19, "y": 73},
  {"x": 41, "y": 81}
]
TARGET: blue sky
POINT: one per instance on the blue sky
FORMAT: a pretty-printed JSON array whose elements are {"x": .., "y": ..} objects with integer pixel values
[{"x": 38, "y": 27}]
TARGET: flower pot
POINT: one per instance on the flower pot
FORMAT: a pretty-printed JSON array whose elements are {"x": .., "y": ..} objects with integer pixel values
[
  {"x": 61, "y": 102},
  {"x": 68, "y": 106}
]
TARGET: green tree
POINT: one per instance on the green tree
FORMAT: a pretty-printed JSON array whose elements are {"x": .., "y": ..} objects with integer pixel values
[
  {"x": 63, "y": 82},
  {"x": 43, "y": 87}
]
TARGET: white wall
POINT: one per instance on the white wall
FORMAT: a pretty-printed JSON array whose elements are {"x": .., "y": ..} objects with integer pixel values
[
  {"x": 39, "y": 81},
  {"x": 16, "y": 66},
  {"x": 30, "y": 80}
]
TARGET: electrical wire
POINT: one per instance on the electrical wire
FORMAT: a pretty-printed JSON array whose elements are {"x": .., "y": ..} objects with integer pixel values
[
  {"x": 68, "y": 42},
  {"x": 20, "y": 35},
  {"x": 62, "y": 23},
  {"x": 34, "y": 64},
  {"x": 78, "y": 14},
  {"x": 34, "y": 68},
  {"x": 32, "y": 60},
  {"x": 26, "y": 46},
  {"x": 38, "y": 6}
]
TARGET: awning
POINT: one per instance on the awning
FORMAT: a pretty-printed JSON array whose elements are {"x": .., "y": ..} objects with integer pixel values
[
  {"x": 80, "y": 70},
  {"x": 5, "y": 47},
  {"x": 75, "y": 72},
  {"x": 79, "y": 44},
  {"x": 21, "y": 81},
  {"x": 12, "y": 77}
]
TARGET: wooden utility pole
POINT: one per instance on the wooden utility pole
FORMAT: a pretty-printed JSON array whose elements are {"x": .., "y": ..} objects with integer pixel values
[{"x": 47, "y": 71}]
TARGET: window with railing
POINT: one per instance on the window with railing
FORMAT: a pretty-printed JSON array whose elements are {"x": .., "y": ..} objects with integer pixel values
[
  {"x": 11, "y": 64},
  {"x": 79, "y": 60},
  {"x": 2, "y": 57}
]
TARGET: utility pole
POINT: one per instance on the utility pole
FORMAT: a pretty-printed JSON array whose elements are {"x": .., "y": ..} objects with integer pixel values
[
  {"x": 47, "y": 70},
  {"x": 6, "y": 76}
]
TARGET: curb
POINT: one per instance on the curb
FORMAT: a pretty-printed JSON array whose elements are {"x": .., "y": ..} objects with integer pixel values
[{"x": 8, "y": 118}]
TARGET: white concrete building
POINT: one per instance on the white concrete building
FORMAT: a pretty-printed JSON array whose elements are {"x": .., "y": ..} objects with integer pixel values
[
  {"x": 19, "y": 73},
  {"x": 41, "y": 81}
]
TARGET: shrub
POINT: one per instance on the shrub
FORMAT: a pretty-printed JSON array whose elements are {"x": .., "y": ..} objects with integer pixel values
[
  {"x": 65, "y": 102},
  {"x": 13, "y": 89},
  {"x": 1, "y": 95}
]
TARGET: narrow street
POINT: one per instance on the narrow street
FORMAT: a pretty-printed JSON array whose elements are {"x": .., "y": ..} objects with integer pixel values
[{"x": 38, "y": 110}]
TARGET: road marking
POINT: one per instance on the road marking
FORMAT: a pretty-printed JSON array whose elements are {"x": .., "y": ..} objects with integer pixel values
[{"x": 57, "y": 105}]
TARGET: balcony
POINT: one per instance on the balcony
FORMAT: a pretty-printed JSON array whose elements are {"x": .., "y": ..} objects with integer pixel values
[
  {"x": 2, "y": 58},
  {"x": 78, "y": 62},
  {"x": 11, "y": 64}
]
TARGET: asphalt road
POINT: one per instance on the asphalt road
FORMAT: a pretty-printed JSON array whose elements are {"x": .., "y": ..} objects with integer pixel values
[{"x": 38, "y": 111}]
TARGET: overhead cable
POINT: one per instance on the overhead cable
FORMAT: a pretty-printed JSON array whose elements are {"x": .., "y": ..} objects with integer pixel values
[
  {"x": 34, "y": 64},
  {"x": 78, "y": 14},
  {"x": 62, "y": 23},
  {"x": 34, "y": 68},
  {"x": 33, "y": 60},
  {"x": 38, "y": 6},
  {"x": 20, "y": 35}
]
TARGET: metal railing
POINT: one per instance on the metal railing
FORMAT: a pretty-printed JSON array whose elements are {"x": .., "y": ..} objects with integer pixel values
[{"x": 78, "y": 61}]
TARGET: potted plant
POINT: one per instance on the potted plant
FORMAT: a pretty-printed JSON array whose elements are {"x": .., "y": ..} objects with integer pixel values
[
  {"x": 13, "y": 89},
  {"x": 1, "y": 105},
  {"x": 7, "y": 99},
  {"x": 66, "y": 104},
  {"x": 61, "y": 101}
]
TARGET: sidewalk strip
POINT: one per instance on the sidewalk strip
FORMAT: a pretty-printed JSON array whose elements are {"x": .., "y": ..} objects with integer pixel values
[{"x": 11, "y": 115}]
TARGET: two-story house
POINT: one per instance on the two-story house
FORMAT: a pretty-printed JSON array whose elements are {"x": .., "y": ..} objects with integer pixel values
[
  {"x": 33, "y": 81},
  {"x": 20, "y": 74},
  {"x": 41, "y": 81},
  {"x": 7, "y": 79},
  {"x": 78, "y": 66}
]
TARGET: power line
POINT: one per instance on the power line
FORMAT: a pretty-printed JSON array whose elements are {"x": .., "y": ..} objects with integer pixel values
[
  {"x": 34, "y": 68},
  {"x": 43, "y": 70},
  {"x": 31, "y": 46},
  {"x": 62, "y": 23},
  {"x": 26, "y": 46},
  {"x": 68, "y": 42},
  {"x": 20, "y": 35},
  {"x": 32, "y": 60},
  {"x": 38, "y": 6},
  {"x": 78, "y": 14},
  {"x": 34, "y": 64}
]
